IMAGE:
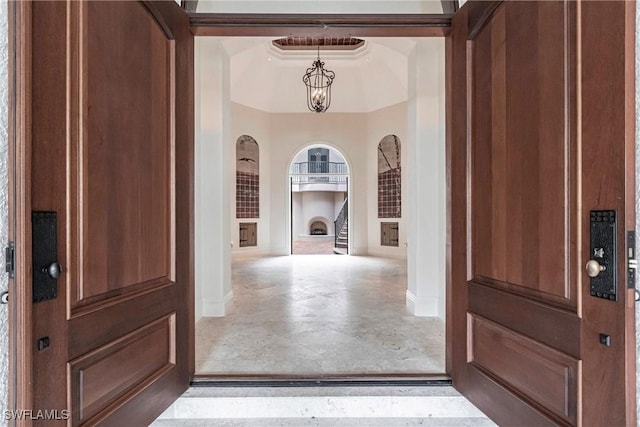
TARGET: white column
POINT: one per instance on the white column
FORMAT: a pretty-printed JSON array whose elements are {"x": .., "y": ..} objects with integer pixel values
[
  {"x": 212, "y": 173},
  {"x": 426, "y": 181}
]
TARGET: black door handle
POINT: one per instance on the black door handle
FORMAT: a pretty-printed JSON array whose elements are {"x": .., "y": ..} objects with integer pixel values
[{"x": 53, "y": 270}]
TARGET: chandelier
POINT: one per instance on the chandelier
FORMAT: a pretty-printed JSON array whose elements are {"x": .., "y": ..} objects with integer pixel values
[{"x": 318, "y": 81}]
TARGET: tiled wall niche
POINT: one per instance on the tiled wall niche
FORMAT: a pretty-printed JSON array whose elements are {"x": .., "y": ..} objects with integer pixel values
[
  {"x": 389, "y": 178},
  {"x": 247, "y": 178}
]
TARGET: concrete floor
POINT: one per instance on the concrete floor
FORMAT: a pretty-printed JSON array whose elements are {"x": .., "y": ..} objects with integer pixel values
[{"x": 318, "y": 315}]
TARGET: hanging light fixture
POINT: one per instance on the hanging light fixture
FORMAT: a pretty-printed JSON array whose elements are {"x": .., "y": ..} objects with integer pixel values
[{"x": 318, "y": 81}]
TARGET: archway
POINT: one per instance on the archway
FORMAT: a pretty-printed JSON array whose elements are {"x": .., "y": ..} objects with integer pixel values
[{"x": 319, "y": 203}]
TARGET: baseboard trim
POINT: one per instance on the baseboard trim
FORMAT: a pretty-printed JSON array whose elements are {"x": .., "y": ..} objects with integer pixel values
[
  {"x": 249, "y": 252},
  {"x": 217, "y": 308},
  {"x": 382, "y": 253},
  {"x": 422, "y": 306}
]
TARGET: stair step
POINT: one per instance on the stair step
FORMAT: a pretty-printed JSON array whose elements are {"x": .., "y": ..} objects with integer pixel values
[{"x": 322, "y": 406}]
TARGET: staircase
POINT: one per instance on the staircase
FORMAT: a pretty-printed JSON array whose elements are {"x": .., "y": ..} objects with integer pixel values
[
  {"x": 341, "y": 230},
  {"x": 386, "y": 406},
  {"x": 342, "y": 239}
]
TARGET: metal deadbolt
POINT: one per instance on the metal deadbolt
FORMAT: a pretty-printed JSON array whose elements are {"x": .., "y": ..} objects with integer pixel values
[
  {"x": 53, "y": 270},
  {"x": 594, "y": 268}
]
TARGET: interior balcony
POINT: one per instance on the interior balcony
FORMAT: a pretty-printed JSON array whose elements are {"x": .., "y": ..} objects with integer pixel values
[{"x": 319, "y": 176}]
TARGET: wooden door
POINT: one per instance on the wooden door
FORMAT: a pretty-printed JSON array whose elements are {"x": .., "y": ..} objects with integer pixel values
[
  {"x": 389, "y": 234},
  {"x": 112, "y": 155},
  {"x": 248, "y": 234},
  {"x": 541, "y": 134}
]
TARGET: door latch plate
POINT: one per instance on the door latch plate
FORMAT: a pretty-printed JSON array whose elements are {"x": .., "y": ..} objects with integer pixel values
[
  {"x": 603, "y": 224},
  {"x": 44, "y": 254}
]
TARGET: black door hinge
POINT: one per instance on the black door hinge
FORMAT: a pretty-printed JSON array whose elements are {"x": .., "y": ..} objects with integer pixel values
[
  {"x": 10, "y": 259},
  {"x": 632, "y": 262}
]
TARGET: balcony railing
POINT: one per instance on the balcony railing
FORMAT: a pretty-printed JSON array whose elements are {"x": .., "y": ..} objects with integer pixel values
[
  {"x": 313, "y": 168},
  {"x": 319, "y": 173}
]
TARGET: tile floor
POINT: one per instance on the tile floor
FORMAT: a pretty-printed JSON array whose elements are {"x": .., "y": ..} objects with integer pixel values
[
  {"x": 319, "y": 315},
  {"x": 313, "y": 248}
]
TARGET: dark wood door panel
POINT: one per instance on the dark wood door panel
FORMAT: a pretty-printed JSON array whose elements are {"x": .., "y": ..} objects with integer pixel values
[
  {"x": 99, "y": 378},
  {"x": 124, "y": 149},
  {"x": 90, "y": 328},
  {"x": 551, "y": 326},
  {"x": 539, "y": 374},
  {"x": 523, "y": 195},
  {"x": 503, "y": 404}
]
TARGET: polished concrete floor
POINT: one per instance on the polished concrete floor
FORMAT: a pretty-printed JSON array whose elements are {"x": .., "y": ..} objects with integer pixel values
[{"x": 319, "y": 315}]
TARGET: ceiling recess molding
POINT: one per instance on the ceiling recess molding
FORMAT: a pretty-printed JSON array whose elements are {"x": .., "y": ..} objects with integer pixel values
[{"x": 312, "y": 43}]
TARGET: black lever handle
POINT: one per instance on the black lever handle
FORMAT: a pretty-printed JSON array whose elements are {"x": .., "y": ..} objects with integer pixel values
[{"x": 53, "y": 270}]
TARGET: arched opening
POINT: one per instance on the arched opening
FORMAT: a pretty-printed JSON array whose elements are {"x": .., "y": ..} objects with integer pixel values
[{"x": 319, "y": 206}]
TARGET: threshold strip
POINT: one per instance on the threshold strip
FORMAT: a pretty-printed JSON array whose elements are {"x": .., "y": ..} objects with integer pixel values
[{"x": 321, "y": 381}]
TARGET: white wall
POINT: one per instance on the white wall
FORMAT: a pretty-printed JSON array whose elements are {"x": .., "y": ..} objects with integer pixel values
[
  {"x": 387, "y": 121},
  {"x": 297, "y": 218},
  {"x": 338, "y": 200},
  {"x": 315, "y": 206},
  {"x": 255, "y": 123},
  {"x": 310, "y": 206}
]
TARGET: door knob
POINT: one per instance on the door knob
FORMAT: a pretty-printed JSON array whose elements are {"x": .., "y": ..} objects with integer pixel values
[
  {"x": 594, "y": 268},
  {"x": 53, "y": 270}
]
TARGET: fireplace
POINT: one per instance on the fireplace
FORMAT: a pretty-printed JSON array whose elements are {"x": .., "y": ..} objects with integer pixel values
[{"x": 318, "y": 228}]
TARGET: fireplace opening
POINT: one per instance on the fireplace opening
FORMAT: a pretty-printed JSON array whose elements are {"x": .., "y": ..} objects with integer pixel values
[{"x": 318, "y": 228}]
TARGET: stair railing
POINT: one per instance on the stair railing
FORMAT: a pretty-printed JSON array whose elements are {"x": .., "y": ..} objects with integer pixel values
[{"x": 341, "y": 218}]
